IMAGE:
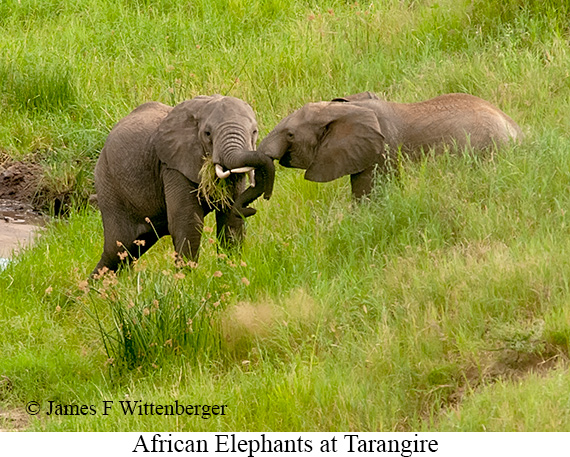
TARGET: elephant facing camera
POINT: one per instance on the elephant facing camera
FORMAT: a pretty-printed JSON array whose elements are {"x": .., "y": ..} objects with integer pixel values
[{"x": 163, "y": 169}]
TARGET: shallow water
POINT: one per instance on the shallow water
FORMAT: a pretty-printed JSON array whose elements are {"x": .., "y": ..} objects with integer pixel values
[{"x": 18, "y": 228}]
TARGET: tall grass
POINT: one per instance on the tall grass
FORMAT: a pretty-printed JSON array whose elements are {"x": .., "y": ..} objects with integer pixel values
[{"x": 440, "y": 304}]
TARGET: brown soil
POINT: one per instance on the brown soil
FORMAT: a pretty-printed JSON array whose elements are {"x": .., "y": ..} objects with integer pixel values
[
  {"x": 506, "y": 365},
  {"x": 19, "y": 181},
  {"x": 13, "y": 420}
]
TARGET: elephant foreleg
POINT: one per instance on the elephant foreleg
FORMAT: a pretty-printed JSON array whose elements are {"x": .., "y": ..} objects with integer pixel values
[
  {"x": 361, "y": 183},
  {"x": 184, "y": 212},
  {"x": 125, "y": 240}
]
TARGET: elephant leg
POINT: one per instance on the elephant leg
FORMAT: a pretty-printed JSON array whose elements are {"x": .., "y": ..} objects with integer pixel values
[
  {"x": 230, "y": 229},
  {"x": 184, "y": 212},
  {"x": 109, "y": 261},
  {"x": 118, "y": 232},
  {"x": 361, "y": 183},
  {"x": 125, "y": 241}
]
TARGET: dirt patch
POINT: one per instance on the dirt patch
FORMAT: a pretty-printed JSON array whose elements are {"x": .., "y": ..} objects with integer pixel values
[
  {"x": 19, "y": 182},
  {"x": 13, "y": 420},
  {"x": 494, "y": 366},
  {"x": 54, "y": 189},
  {"x": 514, "y": 365}
]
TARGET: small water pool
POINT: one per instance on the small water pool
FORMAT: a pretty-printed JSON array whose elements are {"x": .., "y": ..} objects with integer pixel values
[{"x": 4, "y": 263}]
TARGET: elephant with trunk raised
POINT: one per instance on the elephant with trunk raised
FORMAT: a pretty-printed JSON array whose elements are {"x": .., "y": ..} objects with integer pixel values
[
  {"x": 149, "y": 173},
  {"x": 357, "y": 134}
]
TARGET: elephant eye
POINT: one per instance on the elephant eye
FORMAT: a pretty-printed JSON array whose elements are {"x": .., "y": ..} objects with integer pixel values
[
  {"x": 207, "y": 133},
  {"x": 255, "y": 132}
]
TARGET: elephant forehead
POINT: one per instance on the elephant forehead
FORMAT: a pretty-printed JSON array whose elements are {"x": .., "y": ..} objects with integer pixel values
[
  {"x": 317, "y": 106},
  {"x": 228, "y": 106},
  {"x": 308, "y": 113}
]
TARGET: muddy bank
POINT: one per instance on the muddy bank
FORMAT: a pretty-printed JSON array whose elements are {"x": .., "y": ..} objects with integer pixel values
[{"x": 19, "y": 184}]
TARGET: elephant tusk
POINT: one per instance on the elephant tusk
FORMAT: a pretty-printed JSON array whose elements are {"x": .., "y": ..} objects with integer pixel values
[
  {"x": 242, "y": 170},
  {"x": 251, "y": 175},
  {"x": 220, "y": 173}
]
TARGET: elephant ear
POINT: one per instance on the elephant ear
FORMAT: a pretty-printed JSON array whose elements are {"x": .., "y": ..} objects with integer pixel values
[
  {"x": 176, "y": 142},
  {"x": 351, "y": 143}
]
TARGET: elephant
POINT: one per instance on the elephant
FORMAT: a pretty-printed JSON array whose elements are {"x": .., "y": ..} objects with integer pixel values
[
  {"x": 361, "y": 134},
  {"x": 148, "y": 176}
]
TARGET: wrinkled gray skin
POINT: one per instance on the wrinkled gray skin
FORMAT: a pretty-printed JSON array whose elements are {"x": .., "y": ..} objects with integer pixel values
[
  {"x": 149, "y": 169},
  {"x": 357, "y": 134}
]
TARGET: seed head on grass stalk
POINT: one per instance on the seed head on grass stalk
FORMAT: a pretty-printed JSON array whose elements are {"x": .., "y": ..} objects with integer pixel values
[{"x": 163, "y": 319}]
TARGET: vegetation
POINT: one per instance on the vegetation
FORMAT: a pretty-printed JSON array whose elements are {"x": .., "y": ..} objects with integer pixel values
[{"x": 441, "y": 304}]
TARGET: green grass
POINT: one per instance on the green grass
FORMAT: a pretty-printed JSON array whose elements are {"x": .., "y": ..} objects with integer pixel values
[{"x": 442, "y": 304}]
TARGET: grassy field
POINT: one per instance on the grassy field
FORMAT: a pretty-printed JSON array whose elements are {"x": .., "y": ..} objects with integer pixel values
[{"x": 442, "y": 304}]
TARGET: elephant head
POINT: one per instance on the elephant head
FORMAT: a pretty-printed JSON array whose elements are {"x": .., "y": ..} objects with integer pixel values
[
  {"x": 217, "y": 127},
  {"x": 327, "y": 139}
]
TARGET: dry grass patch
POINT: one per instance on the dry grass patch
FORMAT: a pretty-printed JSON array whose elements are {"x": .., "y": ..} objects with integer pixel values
[{"x": 245, "y": 322}]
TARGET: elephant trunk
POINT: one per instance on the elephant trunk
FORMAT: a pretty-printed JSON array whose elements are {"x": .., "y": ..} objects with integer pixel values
[
  {"x": 274, "y": 145},
  {"x": 264, "y": 177},
  {"x": 231, "y": 155},
  {"x": 263, "y": 166},
  {"x": 228, "y": 146}
]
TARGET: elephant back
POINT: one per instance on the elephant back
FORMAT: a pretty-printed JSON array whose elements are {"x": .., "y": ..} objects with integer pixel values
[
  {"x": 456, "y": 120},
  {"x": 127, "y": 167},
  {"x": 132, "y": 133}
]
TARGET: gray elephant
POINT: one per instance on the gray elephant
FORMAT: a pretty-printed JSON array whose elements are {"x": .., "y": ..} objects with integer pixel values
[
  {"x": 149, "y": 172},
  {"x": 357, "y": 134}
]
